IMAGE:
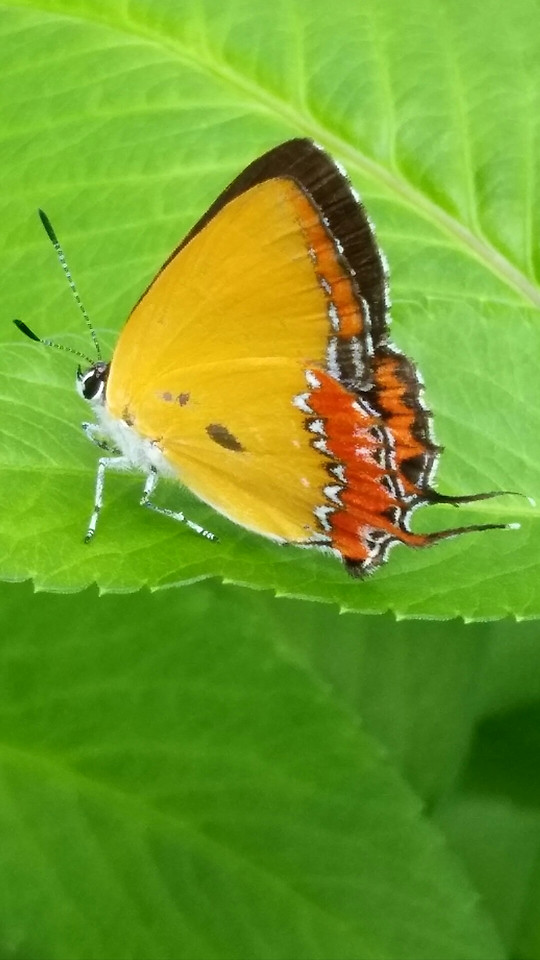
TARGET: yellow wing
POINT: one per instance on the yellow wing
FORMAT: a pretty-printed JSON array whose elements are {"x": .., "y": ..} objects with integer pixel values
[
  {"x": 236, "y": 440},
  {"x": 212, "y": 357}
]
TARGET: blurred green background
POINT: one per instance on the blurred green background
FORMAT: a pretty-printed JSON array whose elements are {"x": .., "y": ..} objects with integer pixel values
[{"x": 213, "y": 771}]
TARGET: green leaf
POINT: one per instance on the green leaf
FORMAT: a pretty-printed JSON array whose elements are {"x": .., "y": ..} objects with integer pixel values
[
  {"x": 499, "y": 844},
  {"x": 504, "y": 756},
  {"x": 413, "y": 686},
  {"x": 529, "y": 944},
  {"x": 510, "y": 678},
  {"x": 124, "y": 122},
  {"x": 172, "y": 790},
  {"x": 442, "y": 699}
]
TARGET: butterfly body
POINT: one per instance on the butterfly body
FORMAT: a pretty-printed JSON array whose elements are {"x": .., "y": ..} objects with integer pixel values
[
  {"x": 140, "y": 453},
  {"x": 257, "y": 369}
]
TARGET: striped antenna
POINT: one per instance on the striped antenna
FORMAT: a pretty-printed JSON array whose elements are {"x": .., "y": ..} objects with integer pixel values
[
  {"x": 24, "y": 328},
  {"x": 60, "y": 254}
]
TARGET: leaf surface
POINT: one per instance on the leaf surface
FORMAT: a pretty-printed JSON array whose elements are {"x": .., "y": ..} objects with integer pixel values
[
  {"x": 173, "y": 783},
  {"x": 125, "y": 121}
]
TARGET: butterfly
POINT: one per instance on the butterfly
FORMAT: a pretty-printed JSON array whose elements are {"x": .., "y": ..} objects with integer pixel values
[{"x": 257, "y": 370}]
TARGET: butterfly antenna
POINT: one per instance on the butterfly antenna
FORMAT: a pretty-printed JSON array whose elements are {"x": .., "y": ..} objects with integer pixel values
[
  {"x": 63, "y": 263},
  {"x": 50, "y": 343}
]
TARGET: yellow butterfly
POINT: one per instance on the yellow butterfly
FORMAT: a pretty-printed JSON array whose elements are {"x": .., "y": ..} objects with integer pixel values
[{"x": 257, "y": 370}]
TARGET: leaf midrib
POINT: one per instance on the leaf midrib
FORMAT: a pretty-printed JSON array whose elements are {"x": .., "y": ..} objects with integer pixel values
[{"x": 477, "y": 247}]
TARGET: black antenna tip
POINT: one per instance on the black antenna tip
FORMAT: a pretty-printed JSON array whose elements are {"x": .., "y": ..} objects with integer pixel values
[
  {"x": 26, "y": 330},
  {"x": 48, "y": 226}
]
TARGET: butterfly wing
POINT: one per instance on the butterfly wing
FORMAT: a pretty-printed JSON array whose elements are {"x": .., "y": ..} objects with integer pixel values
[
  {"x": 236, "y": 440},
  {"x": 264, "y": 278},
  {"x": 219, "y": 346},
  {"x": 259, "y": 361}
]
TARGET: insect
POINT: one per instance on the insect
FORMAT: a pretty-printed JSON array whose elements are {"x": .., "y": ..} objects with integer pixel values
[{"x": 257, "y": 370}]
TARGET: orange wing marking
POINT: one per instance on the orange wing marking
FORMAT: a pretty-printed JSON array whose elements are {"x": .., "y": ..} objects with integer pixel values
[
  {"x": 364, "y": 513},
  {"x": 398, "y": 397},
  {"x": 350, "y": 344}
]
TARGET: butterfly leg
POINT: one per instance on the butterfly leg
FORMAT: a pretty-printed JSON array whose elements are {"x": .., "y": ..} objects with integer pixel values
[
  {"x": 121, "y": 464},
  {"x": 92, "y": 432},
  {"x": 149, "y": 487}
]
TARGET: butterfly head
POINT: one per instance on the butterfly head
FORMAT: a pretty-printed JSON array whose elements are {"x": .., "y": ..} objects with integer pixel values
[{"x": 91, "y": 384}]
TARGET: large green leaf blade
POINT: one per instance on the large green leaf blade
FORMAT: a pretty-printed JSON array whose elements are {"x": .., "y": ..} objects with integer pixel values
[
  {"x": 124, "y": 125},
  {"x": 172, "y": 790}
]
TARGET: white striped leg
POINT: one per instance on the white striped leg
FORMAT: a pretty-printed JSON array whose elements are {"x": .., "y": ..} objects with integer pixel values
[
  {"x": 149, "y": 487},
  {"x": 121, "y": 464},
  {"x": 93, "y": 432}
]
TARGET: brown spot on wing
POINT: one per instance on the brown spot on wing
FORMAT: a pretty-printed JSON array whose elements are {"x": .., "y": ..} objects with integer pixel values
[
  {"x": 181, "y": 398},
  {"x": 220, "y": 434}
]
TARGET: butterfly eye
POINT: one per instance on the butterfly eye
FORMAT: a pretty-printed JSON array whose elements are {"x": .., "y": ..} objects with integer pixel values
[
  {"x": 91, "y": 384},
  {"x": 91, "y": 387}
]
